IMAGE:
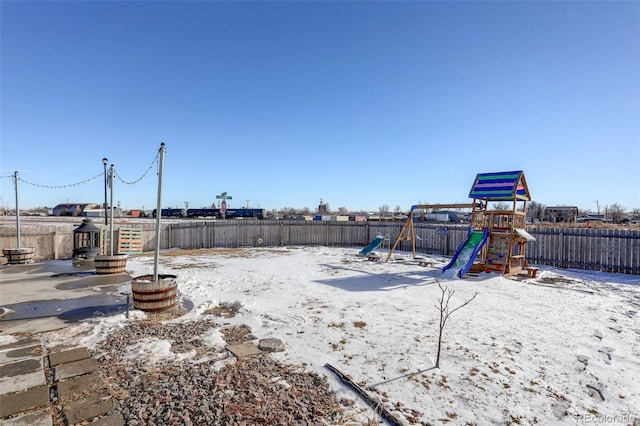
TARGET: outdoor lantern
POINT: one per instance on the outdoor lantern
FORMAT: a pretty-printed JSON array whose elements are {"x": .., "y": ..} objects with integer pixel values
[{"x": 86, "y": 240}]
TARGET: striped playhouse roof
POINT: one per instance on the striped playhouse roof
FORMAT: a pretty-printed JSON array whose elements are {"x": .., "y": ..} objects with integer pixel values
[{"x": 500, "y": 186}]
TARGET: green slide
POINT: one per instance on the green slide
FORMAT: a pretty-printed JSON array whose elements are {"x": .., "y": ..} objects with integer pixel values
[{"x": 467, "y": 252}]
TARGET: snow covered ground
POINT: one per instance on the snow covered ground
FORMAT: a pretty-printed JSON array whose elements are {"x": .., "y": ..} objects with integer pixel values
[{"x": 561, "y": 348}]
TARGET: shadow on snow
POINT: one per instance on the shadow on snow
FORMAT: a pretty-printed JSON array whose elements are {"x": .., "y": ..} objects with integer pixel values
[{"x": 371, "y": 281}]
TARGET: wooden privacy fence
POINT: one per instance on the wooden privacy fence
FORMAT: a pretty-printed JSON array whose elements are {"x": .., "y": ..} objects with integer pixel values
[
  {"x": 610, "y": 250},
  {"x": 241, "y": 233},
  {"x": 49, "y": 242}
]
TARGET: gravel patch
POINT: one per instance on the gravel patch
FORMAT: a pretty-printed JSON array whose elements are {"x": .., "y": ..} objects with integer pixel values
[{"x": 211, "y": 387}]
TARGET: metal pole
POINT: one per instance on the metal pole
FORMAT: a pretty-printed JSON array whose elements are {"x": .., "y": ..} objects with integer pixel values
[
  {"x": 158, "y": 212},
  {"x": 126, "y": 293},
  {"x": 104, "y": 163},
  {"x": 15, "y": 180},
  {"x": 111, "y": 173}
]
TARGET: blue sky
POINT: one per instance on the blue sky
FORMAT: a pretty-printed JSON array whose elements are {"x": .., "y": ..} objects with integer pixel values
[{"x": 362, "y": 104}]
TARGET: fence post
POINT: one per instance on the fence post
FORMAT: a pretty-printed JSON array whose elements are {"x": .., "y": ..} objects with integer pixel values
[
  {"x": 561, "y": 244},
  {"x": 446, "y": 242},
  {"x": 367, "y": 238},
  {"x": 56, "y": 254}
]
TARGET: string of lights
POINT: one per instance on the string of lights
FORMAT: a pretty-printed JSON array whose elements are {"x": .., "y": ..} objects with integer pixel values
[
  {"x": 60, "y": 186},
  {"x": 39, "y": 185},
  {"x": 155, "y": 160}
]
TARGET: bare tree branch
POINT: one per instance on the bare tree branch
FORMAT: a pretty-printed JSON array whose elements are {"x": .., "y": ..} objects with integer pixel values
[{"x": 445, "y": 313}]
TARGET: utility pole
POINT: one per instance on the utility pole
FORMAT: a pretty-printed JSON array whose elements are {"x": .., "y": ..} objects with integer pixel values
[
  {"x": 106, "y": 219},
  {"x": 15, "y": 181},
  {"x": 156, "y": 256}
]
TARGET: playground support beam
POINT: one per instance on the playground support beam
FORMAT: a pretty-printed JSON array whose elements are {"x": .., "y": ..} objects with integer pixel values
[
  {"x": 443, "y": 206},
  {"x": 407, "y": 233}
]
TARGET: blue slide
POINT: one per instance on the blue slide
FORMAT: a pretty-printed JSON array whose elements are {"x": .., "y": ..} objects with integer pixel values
[
  {"x": 467, "y": 252},
  {"x": 372, "y": 246}
]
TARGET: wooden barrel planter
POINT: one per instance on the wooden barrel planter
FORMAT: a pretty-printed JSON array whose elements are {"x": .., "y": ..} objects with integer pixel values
[
  {"x": 19, "y": 255},
  {"x": 114, "y": 264},
  {"x": 155, "y": 296}
]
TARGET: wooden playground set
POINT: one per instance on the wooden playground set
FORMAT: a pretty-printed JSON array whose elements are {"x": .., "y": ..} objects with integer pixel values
[{"x": 497, "y": 239}]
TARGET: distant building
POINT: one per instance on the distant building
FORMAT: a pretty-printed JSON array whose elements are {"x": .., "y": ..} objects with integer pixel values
[
  {"x": 100, "y": 212},
  {"x": 443, "y": 216},
  {"x": 564, "y": 214},
  {"x": 396, "y": 218},
  {"x": 72, "y": 209}
]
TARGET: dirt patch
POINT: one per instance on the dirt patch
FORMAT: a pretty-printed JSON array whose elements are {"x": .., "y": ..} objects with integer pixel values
[
  {"x": 237, "y": 334},
  {"x": 557, "y": 281},
  {"x": 192, "y": 262},
  {"x": 359, "y": 324},
  {"x": 223, "y": 311}
]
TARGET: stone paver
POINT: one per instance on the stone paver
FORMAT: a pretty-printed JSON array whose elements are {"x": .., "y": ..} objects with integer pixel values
[
  {"x": 244, "y": 349},
  {"x": 25, "y": 390},
  {"x": 27, "y": 341},
  {"x": 14, "y": 403},
  {"x": 91, "y": 383},
  {"x": 83, "y": 393},
  {"x": 76, "y": 368},
  {"x": 36, "y": 418},
  {"x": 22, "y": 382},
  {"x": 86, "y": 409},
  {"x": 271, "y": 345},
  {"x": 14, "y": 354},
  {"x": 23, "y": 366},
  {"x": 70, "y": 355}
]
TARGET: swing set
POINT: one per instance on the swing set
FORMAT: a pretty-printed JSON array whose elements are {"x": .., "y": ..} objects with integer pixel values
[
  {"x": 505, "y": 248},
  {"x": 408, "y": 233}
]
